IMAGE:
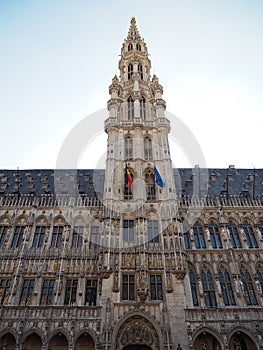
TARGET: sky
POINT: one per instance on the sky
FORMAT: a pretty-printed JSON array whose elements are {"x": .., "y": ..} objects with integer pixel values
[{"x": 58, "y": 58}]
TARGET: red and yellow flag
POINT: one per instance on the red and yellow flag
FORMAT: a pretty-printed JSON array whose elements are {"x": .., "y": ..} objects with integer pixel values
[{"x": 129, "y": 177}]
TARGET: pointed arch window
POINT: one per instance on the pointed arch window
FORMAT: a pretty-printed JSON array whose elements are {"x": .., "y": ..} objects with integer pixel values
[
  {"x": 214, "y": 235},
  {"x": 234, "y": 236},
  {"x": 138, "y": 47},
  {"x": 128, "y": 148},
  {"x": 199, "y": 237},
  {"x": 130, "y": 71},
  {"x": 193, "y": 283},
  {"x": 130, "y": 108},
  {"x": 127, "y": 187},
  {"x": 140, "y": 71},
  {"x": 150, "y": 185},
  {"x": 3, "y": 232},
  {"x": 250, "y": 235},
  {"x": 226, "y": 286},
  {"x": 208, "y": 287},
  {"x": 186, "y": 240},
  {"x": 130, "y": 47},
  {"x": 143, "y": 108},
  {"x": 247, "y": 286},
  {"x": 148, "y": 154},
  {"x": 260, "y": 276}
]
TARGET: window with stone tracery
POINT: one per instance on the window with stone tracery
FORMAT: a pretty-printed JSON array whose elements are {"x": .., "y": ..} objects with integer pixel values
[
  {"x": 250, "y": 235},
  {"x": 130, "y": 47},
  {"x": 260, "y": 276},
  {"x": 128, "y": 144},
  {"x": 71, "y": 292},
  {"x": 3, "y": 231},
  {"x": 140, "y": 71},
  {"x": 199, "y": 237},
  {"x": 128, "y": 287},
  {"x": 226, "y": 286},
  {"x": 148, "y": 153},
  {"x": 156, "y": 287},
  {"x": 150, "y": 185},
  {"x": 247, "y": 286},
  {"x": 130, "y": 108},
  {"x": 153, "y": 234},
  {"x": 27, "y": 292},
  {"x": 18, "y": 236},
  {"x": 208, "y": 287},
  {"x": 39, "y": 236},
  {"x": 214, "y": 235},
  {"x": 4, "y": 291},
  {"x": 193, "y": 283},
  {"x": 77, "y": 237},
  {"x": 91, "y": 292},
  {"x": 130, "y": 71},
  {"x": 47, "y": 292},
  {"x": 234, "y": 235},
  {"x": 56, "y": 240},
  {"x": 143, "y": 108}
]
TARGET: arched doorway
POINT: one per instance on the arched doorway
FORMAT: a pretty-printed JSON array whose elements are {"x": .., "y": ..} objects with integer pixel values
[
  {"x": 8, "y": 342},
  {"x": 84, "y": 342},
  {"x": 206, "y": 340},
  {"x": 32, "y": 342},
  {"x": 58, "y": 342},
  {"x": 137, "y": 347},
  {"x": 241, "y": 341}
]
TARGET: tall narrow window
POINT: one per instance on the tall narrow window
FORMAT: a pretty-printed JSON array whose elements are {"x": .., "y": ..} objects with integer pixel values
[
  {"x": 128, "y": 287},
  {"x": 128, "y": 230},
  {"x": 138, "y": 47},
  {"x": 260, "y": 227},
  {"x": 143, "y": 108},
  {"x": 128, "y": 143},
  {"x": 260, "y": 276},
  {"x": 148, "y": 153},
  {"x": 129, "y": 47},
  {"x": 250, "y": 235},
  {"x": 130, "y": 71},
  {"x": 208, "y": 288},
  {"x": 215, "y": 235},
  {"x": 91, "y": 292},
  {"x": 71, "y": 292},
  {"x": 186, "y": 240},
  {"x": 4, "y": 291},
  {"x": 27, "y": 292},
  {"x": 150, "y": 185},
  {"x": 95, "y": 235},
  {"x": 193, "y": 283},
  {"x": 153, "y": 234},
  {"x": 128, "y": 178},
  {"x": 156, "y": 287},
  {"x": 226, "y": 286},
  {"x": 199, "y": 235},
  {"x": 130, "y": 108},
  {"x": 3, "y": 231},
  {"x": 39, "y": 236},
  {"x": 18, "y": 237},
  {"x": 140, "y": 71},
  {"x": 47, "y": 292},
  {"x": 56, "y": 241},
  {"x": 77, "y": 238},
  {"x": 234, "y": 236},
  {"x": 247, "y": 287}
]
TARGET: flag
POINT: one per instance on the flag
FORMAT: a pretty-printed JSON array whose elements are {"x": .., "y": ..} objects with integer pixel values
[
  {"x": 129, "y": 177},
  {"x": 158, "y": 178}
]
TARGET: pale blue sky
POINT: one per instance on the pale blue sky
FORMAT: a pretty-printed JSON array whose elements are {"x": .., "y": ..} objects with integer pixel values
[{"x": 58, "y": 58}]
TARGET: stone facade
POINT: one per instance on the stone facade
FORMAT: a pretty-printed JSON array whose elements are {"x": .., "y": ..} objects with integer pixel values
[{"x": 122, "y": 259}]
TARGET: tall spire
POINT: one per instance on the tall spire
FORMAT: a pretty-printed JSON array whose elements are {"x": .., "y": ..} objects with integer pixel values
[{"x": 133, "y": 33}]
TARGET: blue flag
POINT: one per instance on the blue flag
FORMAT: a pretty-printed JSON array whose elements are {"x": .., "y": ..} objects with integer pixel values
[{"x": 158, "y": 178}]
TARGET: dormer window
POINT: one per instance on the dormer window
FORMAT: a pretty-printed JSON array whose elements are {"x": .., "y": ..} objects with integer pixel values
[
  {"x": 140, "y": 71},
  {"x": 130, "y": 71},
  {"x": 130, "y": 108},
  {"x": 129, "y": 47},
  {"x": 138, "y": 47}
]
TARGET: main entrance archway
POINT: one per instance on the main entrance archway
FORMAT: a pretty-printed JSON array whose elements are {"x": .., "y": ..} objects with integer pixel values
[{"x": 137, "y": 347}]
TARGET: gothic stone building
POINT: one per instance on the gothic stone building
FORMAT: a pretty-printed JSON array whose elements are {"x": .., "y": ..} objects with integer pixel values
[{"x": 94, "y": 259}]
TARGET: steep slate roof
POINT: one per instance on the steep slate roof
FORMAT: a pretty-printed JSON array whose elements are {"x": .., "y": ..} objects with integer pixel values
[{"x": 220, "y": 182}]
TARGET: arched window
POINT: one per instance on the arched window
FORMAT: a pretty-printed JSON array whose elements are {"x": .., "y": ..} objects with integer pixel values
[
  {"x": 226, "y": 286},
  {"x": 250, "y": 236},
  {"x": 129, "y": 47},
  {"x": 130, "y": 108},
  {"x": 199, "y": 235},
  {"x": 3, "y": 231},
  {"x": 130, "y": 71},
  {"x": 138, "y": 47},
  {"x": 143, "y": 108},
  {"x": 186, "y": 240},
  {"x": 215, "y": 235},
  {"x": 193, "y": 284},
  {"x": 147, "y": 148},
  {"x": 234, "y": 236},
  {"x": 247, "y": 286},
  {"x": 208, "y": 287},
  {"x": 140, "y": 71},
  {"x": 260, "y": 227},
  {"x": 128, "y": 148},
  {"x": 260, "y": 276},
  {"x": 150, "y": 185},
  {"x": 127, "y": 184}
]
